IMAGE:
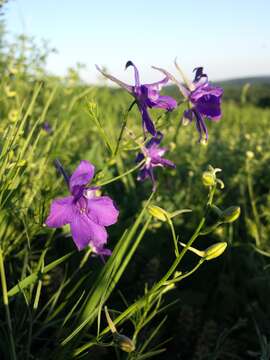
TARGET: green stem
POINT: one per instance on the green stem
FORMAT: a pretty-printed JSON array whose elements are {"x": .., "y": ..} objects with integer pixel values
[
  {"x": 189, "y": 272},
  {"x": 174, "y": 236},
  {"x": 122, "y": 175},
  {"x": 123, "y": 128},
  {"x": 155, "y": 291},
  {"x": 5, "y": 301},
  {"x": 253, "y": 206},
  {"x": 181, "y": 255}
]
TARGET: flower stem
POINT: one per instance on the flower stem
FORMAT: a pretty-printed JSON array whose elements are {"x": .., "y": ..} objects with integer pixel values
[
  {"x": 174, "y": 236},
  {"x": 5, "y": 301},
  {"x": 191, "y": 271},
  {"x": 121, "y": 175},
  {"x": 123, "y": 128}
]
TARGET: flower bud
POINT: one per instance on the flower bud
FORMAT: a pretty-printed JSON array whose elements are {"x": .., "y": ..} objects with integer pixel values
[
  {"x": 250, "y": 154},
  {"x": 10, "y": 93},
  {"x": 208, "y": 178},
  {"x": 12, "y": 68},
  {"x": 185, "y": 121},
  {"x": 13, "y": 115},
  {"x": 167, "y": 287},
  {"x": 158, "y": 212},
  {"x": 172, "y": 145},
  {"x": 204, "y": 141},
  {"x": 215, "y": 250},
  {"x": 124, "y": 342},
  {"x": 231, "y": 214}
]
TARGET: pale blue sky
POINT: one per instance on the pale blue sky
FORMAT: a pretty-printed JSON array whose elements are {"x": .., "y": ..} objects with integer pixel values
[{"x": 230, "y": 38}]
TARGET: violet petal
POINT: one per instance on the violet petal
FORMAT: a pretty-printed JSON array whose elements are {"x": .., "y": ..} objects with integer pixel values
[
  {"x": 61, "y": 212},
  {"x": 103, "y": 211},
  {"x": 81, "y": 176},
  {"x": 84, "y": 231}
]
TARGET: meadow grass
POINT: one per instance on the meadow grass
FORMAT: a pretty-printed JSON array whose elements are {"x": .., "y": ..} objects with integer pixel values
[{"x": 54, "y": 296}]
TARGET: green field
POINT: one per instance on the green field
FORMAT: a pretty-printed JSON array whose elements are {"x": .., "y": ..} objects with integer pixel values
[{"x": 54, "y": 296}]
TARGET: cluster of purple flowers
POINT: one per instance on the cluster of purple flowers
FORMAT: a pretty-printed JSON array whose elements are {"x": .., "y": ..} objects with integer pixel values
[
  {"x": 84, "y": 210},
  {"x": 203, "y": 101}
]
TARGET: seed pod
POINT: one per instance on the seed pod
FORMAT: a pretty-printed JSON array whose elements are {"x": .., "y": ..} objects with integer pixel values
[
  {"x": 231, "y": 214},
  {"x": 215, "y": 250},
  {"x": 158, "y": 212},
  {"x": 124, "y": 342}
]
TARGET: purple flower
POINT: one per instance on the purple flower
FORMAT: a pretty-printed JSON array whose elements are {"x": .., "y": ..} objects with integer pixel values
[
  {"x": 47, "y": 127},
  {"x": 204, "y": 100},
  {"x": 152, "y": 154},
  {"x": 146, "y": 96},
  {"x": 85, "y": 212}
]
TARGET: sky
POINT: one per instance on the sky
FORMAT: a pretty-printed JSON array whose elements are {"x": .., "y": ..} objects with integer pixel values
[{"x": 230, "y": 38}]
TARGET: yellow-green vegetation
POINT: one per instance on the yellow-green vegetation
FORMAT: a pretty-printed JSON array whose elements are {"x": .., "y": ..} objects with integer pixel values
[{"x": 54, "y": 296}]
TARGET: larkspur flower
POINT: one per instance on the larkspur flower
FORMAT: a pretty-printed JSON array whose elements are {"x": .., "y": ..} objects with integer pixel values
[
  {"x": 146, "y": 96},
  {"x": 153, "y": 155},
  {"x": 85, "y": 212},
  {"x": 203, "y": 98},
  {"x": 47, "y": 127}
]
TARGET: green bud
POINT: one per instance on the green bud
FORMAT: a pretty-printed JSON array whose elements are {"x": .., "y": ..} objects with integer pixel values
[
  {"x": 10, "y": 93},
  {"x": 231, "y": 214},
  {"x": 208, "y": 178},
  {"x": 167, "y": 287},
  {"x": 124, "y": 342},
  {"x": 13, "y": 115},
  {"x": 158, "y": 212},
  {"x": 215, "y": 250},
  {"x": 250, "y": 155},
  {"x": 185, "y": 121},
  {"x": 163, "y": 215}
]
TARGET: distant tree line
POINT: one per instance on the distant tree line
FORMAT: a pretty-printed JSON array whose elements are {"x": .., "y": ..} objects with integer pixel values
[{"x": 257, "y": 94}]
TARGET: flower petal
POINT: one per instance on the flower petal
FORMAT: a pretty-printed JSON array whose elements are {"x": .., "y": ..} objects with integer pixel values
[
  {"x": 61, "y": 212},
  {"x": 187, "y": 117},
  {"x": 103, "y": 211},
  {"x": 86, "y": 232},
  {"x": 139, "y": 158},
  {"x": 165, "y": 102},
  {"x": 147, "y": 121},
  {"x": 143, "y": 174},
  {"x": 199, "y": 74},
  {"x": 117, "y": 81},
  {"x": 200, "y": 125},
  {"x": 102, "y": 251},
  {"x": 167, "y": 163},
  {"x": 185, "y": 92},
  {"x": 205, "y": 90},
  {"x": 81, "y": 176},
  {"x": 154, "y": 141},
  {"x": 209, "y": 105},
  {"x": 158, "y": 84},
  {"x": 136, "y": 73}
]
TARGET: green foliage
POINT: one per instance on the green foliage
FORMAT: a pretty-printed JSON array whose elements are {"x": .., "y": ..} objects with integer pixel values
[{"x": 54, "y": 296}]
